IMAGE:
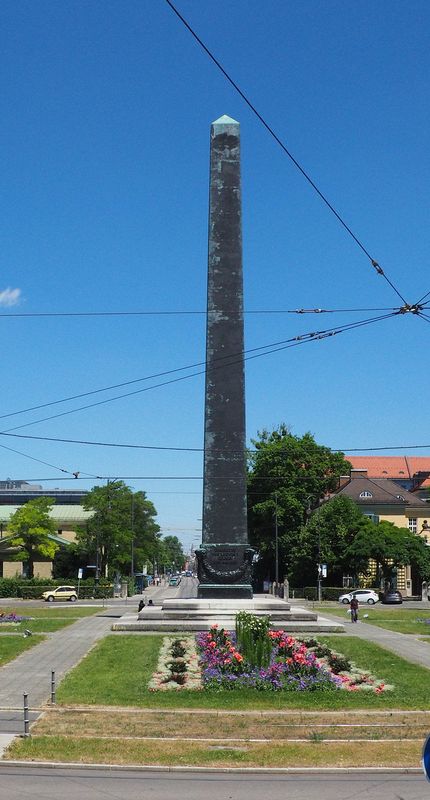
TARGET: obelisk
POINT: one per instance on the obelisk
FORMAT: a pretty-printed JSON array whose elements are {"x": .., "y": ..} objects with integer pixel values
[{"x": 224, "y": 558}]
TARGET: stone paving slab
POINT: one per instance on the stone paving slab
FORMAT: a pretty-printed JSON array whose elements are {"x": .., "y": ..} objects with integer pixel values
[{"x": 5, "y": 740}]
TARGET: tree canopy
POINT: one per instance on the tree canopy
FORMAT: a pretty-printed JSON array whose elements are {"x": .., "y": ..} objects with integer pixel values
[
  {"x": 287, "y": 475},
  {"x": 122, "y": 529},
  {"x": 30, "y": 527},
  {"x": 171, "y": 554},
  {"x": 325, "y": 539},
  {"x": 389, "y": 547}
]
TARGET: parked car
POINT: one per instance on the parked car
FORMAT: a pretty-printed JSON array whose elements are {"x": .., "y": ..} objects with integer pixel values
[
  {"x": 363, "y": 596},
  {"x": 391, "y": 596},
  {"x": 60, "y": 593}
]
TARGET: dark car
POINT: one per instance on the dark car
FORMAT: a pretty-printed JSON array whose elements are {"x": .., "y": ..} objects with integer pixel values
[{"x": 391, "y": 596}]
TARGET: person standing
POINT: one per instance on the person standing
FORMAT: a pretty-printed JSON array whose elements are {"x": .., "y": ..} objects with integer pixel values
[{"x": 354, "y": 609}]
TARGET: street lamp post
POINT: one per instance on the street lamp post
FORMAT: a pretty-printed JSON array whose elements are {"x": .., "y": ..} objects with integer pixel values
[
  {"x": 319, "y": 565},
  {"x": 132, "y": 536},
  {"x": 308, "y": 513},
  {"x": 276, "y": 547}
]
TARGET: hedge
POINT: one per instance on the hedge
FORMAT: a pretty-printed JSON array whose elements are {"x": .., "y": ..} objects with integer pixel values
[
  {"x": 32, "y": 588},
  {"x": 311, "y": 592}
]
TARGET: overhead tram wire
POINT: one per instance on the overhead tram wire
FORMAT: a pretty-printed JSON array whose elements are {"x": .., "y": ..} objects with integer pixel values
[
  {"x": 283, "y": 146},
  {"x": 312, "y": 336},
  {"x": 294, "y": 342},
  {"x": 422, "y": 299},
  {"x": 25, "y": 314},
  {"x": 172, "y": 448},
  {"x": 47, "y": 464},
  {"x": 173, "y": 478}
]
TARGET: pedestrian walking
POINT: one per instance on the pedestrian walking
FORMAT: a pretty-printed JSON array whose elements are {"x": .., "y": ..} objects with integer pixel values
[{"x": 354, "y": 609}]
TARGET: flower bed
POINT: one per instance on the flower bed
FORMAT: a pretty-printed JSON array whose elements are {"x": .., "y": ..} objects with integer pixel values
[
  {"x": 12, "y": 618},
  {"x": 178, "y": 665},
  {"x": 293, "y": 665}
]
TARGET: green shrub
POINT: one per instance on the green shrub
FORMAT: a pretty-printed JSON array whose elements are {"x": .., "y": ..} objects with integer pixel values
[
  {"x": 252, "y": 638},
  {"x": 9, "y": 587},
  {"x": 33, "y": 588},
  {"x": 327, "y": 592}
]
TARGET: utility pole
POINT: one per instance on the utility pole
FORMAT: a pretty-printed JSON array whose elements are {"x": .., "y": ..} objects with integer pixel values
[
  {"x": 132, "y": 536},
  {"x": 319, "y": 565},
  {"x": 276, "y": 546}
]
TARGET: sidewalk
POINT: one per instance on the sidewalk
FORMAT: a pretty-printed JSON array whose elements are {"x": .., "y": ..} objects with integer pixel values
[
  {"x": 31, "y": 671},
  {"x": 405, "y": 645}
]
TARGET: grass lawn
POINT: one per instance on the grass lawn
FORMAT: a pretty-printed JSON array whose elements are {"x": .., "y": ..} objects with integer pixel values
[
  {"x": 401, "y": 620},
  {"x": 45, "y": 620},
  {"x": 51, "y": 610},
  {"x": 116, "y": 673},
  {"x": 210, "y": 724},
  {"x": 13, "y": 646},
  {"x": 227, "y": 754}
]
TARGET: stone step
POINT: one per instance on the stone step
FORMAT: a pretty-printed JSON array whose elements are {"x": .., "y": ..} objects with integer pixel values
[
  {"x": 191, "y": 626},
  {"x": 172, "y": 615}
]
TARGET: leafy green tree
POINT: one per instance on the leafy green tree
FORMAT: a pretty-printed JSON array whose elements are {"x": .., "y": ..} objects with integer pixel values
[
  {"x": 287, "y": 474},
  {"x": 30, "y": 527},
  {"x": 121, "y": 530},
  {"x": 390, "y": 547},
  {"x": 171, "y": 553},
  {"x": 326, "y": 537}
]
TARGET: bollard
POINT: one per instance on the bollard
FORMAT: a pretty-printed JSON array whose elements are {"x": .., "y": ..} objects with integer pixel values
[
  {"x": 26, "y": 717},
  {"x": 53, "y": 700}
]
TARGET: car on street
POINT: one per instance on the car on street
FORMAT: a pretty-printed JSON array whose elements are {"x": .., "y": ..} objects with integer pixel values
[
  {"x": 60, "y": 593},
  {"x": 368, "y": 596},
  {"x": 175, "y": 580},
  {"x": 391, "y": 597}
]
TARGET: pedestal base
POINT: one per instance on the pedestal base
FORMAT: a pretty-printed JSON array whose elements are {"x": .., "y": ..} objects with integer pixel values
[
  {"x": 190, "y": 615},
  {"x": 225, "y": 591}
]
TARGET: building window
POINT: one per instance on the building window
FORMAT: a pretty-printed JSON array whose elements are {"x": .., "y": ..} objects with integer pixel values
[
  {"x": 412, "y": 524},
  {"x": 366, "y": 494}
]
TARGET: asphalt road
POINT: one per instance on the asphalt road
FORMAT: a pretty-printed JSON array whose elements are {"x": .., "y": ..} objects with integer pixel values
[{"x": 19, "y": 783}]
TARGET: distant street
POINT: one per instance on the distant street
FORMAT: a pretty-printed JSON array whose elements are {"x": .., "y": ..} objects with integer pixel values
[
  {"x": 18, "y": 783},
  {"x": 187, "y": 588}
]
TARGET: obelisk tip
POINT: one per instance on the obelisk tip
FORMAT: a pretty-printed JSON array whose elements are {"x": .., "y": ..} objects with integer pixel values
[{"x": 225, "y": 120}]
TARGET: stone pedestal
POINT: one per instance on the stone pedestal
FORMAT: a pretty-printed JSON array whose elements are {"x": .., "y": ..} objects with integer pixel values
[
  {"x": 189, "y": 615},
  {"x": 225, "y": 570}
]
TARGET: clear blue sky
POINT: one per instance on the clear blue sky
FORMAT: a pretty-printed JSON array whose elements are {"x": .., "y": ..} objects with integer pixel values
[{"x": 106, "y": 111}]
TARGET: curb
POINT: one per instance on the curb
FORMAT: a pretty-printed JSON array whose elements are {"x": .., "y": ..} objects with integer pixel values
[{"x": 232, "y": 770}]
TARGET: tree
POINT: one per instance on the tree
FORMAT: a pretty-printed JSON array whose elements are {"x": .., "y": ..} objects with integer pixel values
[
  {"x": 326, "y": 537},
  {"x": 287, "y": 474},
  {"x": 30, "y": 527},
  {"x": 121, "y": 530},
  {"x": 171, "y": 552},
  {"x": 390, "y": 547}
]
